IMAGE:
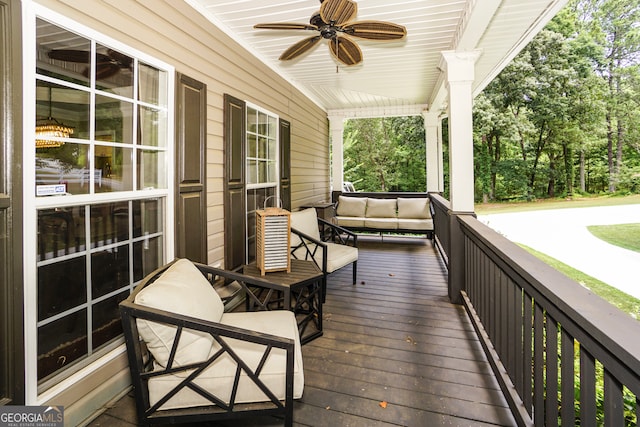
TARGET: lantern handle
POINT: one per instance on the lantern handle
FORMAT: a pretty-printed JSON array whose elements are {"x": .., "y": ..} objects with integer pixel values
[{"x": 277, "y": 198}]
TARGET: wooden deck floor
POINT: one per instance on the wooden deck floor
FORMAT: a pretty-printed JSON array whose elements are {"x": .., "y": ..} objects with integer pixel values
[{"x": 392, "y": 338}]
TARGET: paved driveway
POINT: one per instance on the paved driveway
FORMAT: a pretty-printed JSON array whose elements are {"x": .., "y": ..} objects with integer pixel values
[{"x": 563, "y": 235}]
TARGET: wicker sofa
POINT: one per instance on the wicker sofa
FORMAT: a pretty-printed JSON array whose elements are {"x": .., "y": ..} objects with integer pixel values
[{"x": 402, "y": 213}]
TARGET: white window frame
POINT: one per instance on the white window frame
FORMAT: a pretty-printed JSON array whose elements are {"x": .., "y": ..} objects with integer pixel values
[
  {"x": 32, "y": 203},
  {"x": 275, "y": 183}
]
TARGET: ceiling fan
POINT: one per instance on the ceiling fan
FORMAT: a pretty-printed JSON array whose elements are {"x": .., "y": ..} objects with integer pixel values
[
  {"x": 106, "y": 65},
  {"x": 334, "y": 22}
]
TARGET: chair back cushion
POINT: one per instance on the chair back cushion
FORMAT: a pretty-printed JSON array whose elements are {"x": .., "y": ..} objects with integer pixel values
[
  {"x": 414, "y": 208},
  {"x": 305, "y": 221},
  {"x": 181, "y": 289},
  {"x": 351, "y": 206}
]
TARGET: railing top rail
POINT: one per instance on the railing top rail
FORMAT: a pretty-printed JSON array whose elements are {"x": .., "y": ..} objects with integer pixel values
[{"x": 585, "y": 315}]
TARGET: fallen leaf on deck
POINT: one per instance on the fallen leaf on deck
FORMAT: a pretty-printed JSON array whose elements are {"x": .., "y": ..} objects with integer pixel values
[
  {"x": 328, "y": 408},
  {"x": 383, "y": 404},
  {"x": 391, "y": 274}
]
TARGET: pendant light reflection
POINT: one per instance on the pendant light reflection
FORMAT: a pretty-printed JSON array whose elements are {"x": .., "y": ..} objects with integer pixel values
[{"x": 49, "y": 128}]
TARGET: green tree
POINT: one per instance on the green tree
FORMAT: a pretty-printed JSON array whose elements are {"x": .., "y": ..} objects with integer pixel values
[{"x": 385, "y": 154}]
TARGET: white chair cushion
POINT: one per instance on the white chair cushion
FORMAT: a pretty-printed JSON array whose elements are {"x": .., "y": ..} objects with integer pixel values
[
  {"x": 305, "y": 221},
  {"x": 340, "y": 255},
  {"x": 351, "y": 206},
  {"x": 381, "y": 208},
  {"x": 414, "y": 208},
  {"x": 218, "y": 378},
  {"x": 181, "y": 289}
]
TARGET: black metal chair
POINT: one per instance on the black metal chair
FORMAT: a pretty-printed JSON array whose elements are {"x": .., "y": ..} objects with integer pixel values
[
  {"x": 330, "y": 246},
  {"x": 175, "y": 376}
]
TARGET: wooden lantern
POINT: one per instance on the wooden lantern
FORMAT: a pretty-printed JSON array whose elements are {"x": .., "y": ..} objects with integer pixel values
[{"x": 273, "y": 231}]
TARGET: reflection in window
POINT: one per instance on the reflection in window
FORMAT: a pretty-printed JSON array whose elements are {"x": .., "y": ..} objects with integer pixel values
[
  {"x": 114, "y": 120},
  {"x": 123, "y": 117},
  {"x": 114, "y": 71},
  {"x": 91, "y": 251},
  {"x": 111, "y": 250},
  {"x": 113, "y": 170}
]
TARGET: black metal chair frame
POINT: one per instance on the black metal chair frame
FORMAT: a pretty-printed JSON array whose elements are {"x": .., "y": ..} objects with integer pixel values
[
  {"x": 328, "y": 233},
  {"x": 141, "y": 361}
]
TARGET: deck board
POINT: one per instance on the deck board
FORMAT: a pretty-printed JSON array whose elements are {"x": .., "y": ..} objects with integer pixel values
[{"x": 393, "y": 337}]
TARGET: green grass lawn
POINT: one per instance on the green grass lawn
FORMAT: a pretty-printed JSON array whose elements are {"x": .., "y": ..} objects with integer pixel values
[
  {"x": 624, "y": 235},
  {"x": 623, "y": 301}
]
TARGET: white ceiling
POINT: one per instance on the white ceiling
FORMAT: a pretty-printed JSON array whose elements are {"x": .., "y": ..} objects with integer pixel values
[{"x": 394, "y": 76}]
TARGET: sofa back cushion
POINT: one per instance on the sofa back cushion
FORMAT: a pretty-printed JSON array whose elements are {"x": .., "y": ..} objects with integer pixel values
[
  {"x": 381, "y": 208},
  {"x": 351, "y": 206},
  {"x": 414, "y": 208},
  {"x": 181, "y": 289}
]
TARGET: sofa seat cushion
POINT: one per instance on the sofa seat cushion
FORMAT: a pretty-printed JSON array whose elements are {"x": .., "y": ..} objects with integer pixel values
[
  {"x": 348, "y": 221},
  {"x": 381, "y": 208},
  {"x": 382, "y": 223},
  {"x": 413, "y": 208},
  {"x": 351, "y": 206},
  {"x": 181, "y": 289},
  {"x": 219, "y": 377},
  {"x": 415, "y": 224}
]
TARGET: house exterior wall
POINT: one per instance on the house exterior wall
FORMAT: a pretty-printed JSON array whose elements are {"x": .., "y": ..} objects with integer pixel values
[{"x": 175, "y": 33}]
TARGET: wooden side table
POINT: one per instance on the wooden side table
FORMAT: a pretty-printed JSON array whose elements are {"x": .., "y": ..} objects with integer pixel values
[{"x": 299, "y": 291}]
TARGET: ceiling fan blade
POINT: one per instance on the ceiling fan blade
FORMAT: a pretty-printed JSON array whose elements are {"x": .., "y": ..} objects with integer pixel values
[
  {"x": 345, "y": 50},
  {"x": 70, "y": 55},
  {"x": 300, "y": 48},
  {"x": 375, "y": 30},
  {"x": 285, "y": 26},
  {"x": 104, "y": 70},
  {"x": 337, "y": 12},
  {"x": 122, "y": 60}
]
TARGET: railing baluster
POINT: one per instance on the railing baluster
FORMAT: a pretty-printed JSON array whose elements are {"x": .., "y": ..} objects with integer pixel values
[
  {"x": 587, "y": 388},
  {"x": 613, "y": 403},
  {"x": 512, "y": 324},
  {"x": 518, "y": 323},
  {"x": 538, "y": 365},
  {"x": 551, "y": 386},
  {"x": 527, "y": 360},
  {"x": 567, "y": 409}
]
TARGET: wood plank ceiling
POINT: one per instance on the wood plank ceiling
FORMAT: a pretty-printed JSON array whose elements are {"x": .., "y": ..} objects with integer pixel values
[{"x": 394, "y": 75}]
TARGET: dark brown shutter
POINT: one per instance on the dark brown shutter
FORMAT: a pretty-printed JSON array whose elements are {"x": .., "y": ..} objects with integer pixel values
[
  {"x": 235, "y": 186},
  {"x": 191, "y": 136},
  {"x": 285, "y": 164}
]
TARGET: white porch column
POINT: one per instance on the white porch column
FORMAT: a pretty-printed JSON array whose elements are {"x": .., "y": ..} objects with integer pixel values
[
  {"x": 459, "y": 75},
  {"x": 433, "y": 138},
  {"x": 336, "y": 129}
]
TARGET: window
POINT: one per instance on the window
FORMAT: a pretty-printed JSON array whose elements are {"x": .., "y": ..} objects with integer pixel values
[
  {"x": 262, "y": 167},
  {"x": 102, "y": 152}
]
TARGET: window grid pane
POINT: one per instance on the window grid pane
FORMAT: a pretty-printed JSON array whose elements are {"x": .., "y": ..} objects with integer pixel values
[{"x": 106, "y": 132}]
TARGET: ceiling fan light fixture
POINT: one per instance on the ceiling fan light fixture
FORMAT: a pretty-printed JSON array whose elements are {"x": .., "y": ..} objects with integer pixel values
[{"x": 334, "y": 21}]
